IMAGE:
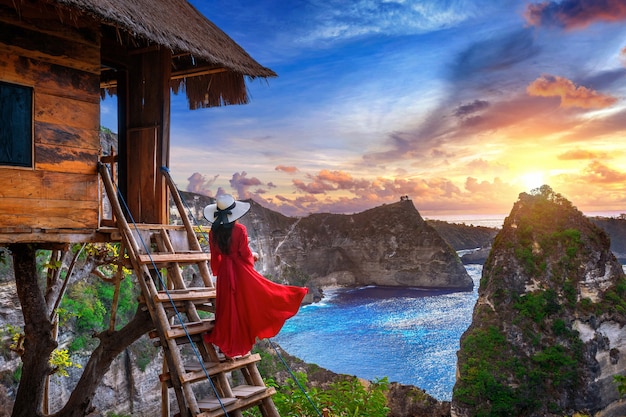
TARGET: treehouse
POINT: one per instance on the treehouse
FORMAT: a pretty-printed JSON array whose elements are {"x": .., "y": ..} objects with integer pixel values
[{"x": 58, "y": 58}]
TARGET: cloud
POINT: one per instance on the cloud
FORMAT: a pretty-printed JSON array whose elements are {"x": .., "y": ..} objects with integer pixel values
[
  {"x": 598, "y": 173},
  {"x": 466, "y": 110},
  {"x": 574, "y": 14},
  {"x": 314, "y": 187},
  {"x": 622, "y": 55},
  {"x": 242, "y": 183},
  {"x": 581, "y": 154},
  {"x": 199, "y": 184},
  {"x": 287, "y": 169},
  {"x": 497, "y": 53},
  {"x": 570, "y": 94}
]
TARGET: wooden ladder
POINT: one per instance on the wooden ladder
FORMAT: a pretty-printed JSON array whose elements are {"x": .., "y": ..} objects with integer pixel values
[{"x": 156, "y": 253}]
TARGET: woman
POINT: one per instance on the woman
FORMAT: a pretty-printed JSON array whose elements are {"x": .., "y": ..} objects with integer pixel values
[{"x": 247, "y": 304}]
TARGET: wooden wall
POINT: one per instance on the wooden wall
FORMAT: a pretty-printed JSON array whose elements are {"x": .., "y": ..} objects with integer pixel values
[{"x": 62, "y": 64}]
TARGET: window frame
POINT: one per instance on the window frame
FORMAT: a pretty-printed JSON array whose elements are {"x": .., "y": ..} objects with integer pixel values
[{"x": 25, "y": 130}]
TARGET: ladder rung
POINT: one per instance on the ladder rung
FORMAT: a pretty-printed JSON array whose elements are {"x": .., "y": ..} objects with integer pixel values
[
  {"x": 188, "y": 294},
  {"x": 213, "y": 404},
  {"x": 192, "y": 328},
  {"x": 159, "y": 258},
  {"x": 194, "y": 372},
  {"x": 247, "y": 391},
  {"x": 240, "y": 404}
]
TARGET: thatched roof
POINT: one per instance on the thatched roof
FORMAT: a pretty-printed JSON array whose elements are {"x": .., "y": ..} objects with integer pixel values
[{"x": 176, "y": 24}]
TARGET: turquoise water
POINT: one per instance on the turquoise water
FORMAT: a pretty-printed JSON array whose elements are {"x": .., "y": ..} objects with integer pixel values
[{"x": 409, "y": 335}]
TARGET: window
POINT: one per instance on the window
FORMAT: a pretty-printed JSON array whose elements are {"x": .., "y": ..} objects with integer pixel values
[{"x": 16, "y": 132}]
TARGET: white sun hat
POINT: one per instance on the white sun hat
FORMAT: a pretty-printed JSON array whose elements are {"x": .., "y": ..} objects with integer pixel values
[{"x": 225, "y": 210}]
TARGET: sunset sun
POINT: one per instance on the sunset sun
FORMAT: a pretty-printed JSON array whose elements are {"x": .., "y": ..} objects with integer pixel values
[{"x": 532, "y": 180}]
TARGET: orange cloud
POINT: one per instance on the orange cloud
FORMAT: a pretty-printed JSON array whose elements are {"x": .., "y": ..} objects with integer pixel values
[
  {"x": 574, "y": 14},
  {"x": 287, "y": 169},
  {"x": 571, "y": 95},
  {"x": 314, "y": 187},
  {"x": 580, "y": 154},
  {"x": 596, "y": 172}
]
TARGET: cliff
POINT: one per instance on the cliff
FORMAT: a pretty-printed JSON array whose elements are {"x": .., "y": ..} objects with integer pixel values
[
  {"x": 390, "y": 245},
  {"x": 616, "y": 229},
  {"x": 547, "y": 333},
  {"x": 462, "y": 236}
]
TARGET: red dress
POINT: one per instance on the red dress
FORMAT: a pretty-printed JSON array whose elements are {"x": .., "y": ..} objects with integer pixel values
[{"x": 248, "y": 305}]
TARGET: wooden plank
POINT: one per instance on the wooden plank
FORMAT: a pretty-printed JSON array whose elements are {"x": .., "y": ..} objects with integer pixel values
[
  {"x": 53, "y": 79},
  {"x": 188, "y": 294},
  {"x": 32, "y": 43},
  {"x": 196, "y": 367},
  {"x": 160, "y": 258},
  {"x": 66, "y": 111},
  {"x": 51, "y": 236},
  {"x": 35, "y": 184},
  {"x": 65, "y": 159},
  {"x": 197, "y": 373},
  {"x": 150, "y": 226},
  {"x": 240, "y": 404},
  {"x": 48, "y": 214},
  {"x": 62, "y": 135},
  {"x": 197, "y": 327},
  {"x": 247, "y": 391},
  {"x": 214, "y": 404}
]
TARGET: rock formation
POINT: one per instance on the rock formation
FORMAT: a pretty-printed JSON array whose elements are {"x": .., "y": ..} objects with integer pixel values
[
  {"x": 547, "y": 334},
  {"x": 616, "y": 229},
  {"x": 389, "y": 245}
]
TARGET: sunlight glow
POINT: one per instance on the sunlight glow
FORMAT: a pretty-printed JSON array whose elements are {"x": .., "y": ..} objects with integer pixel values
[{"x": 532, "y": 180}]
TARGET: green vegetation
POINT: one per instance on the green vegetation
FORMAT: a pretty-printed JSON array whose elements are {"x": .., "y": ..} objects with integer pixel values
[
  {"x": 486, "y": 353},
  {"x": 538, "y": 305},
  {"x": 348, "y": 397}
]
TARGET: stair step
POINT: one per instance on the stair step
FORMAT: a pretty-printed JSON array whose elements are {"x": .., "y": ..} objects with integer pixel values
[
  {"x": 183, "y": 258},
  {"x": 188, "y": 294},
  {"x": 194, "y": 372},
  {"x": 192, "y": 328},
  {"x": 239, "y": 404},
  {"x": 247, "y": 391},
  {"x": 213, "y": 404}
]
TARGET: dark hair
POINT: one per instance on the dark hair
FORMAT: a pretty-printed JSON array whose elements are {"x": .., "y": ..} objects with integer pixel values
[{"x": 221, "y": 236}]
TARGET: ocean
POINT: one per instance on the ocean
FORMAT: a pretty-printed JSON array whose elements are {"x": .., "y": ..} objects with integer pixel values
[{"x": 409, "y": 335}]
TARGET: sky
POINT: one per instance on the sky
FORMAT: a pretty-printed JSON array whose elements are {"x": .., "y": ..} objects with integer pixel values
[{"x": 461, "y": 105}]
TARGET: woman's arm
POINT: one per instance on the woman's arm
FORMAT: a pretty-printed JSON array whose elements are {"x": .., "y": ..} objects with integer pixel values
[{"x": 242, "y": 244}]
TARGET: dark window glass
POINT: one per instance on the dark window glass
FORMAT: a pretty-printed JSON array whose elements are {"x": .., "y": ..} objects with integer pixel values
[{"x": 16, "y": 132}]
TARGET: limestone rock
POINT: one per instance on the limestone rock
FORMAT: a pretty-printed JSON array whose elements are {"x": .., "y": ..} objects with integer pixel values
[
  {"x": 387, "y": 245},
  {"x": 547, "y": 334}
]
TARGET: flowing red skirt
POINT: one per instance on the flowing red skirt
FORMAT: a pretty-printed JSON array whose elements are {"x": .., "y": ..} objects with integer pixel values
[{"x": 248, "y": 306}]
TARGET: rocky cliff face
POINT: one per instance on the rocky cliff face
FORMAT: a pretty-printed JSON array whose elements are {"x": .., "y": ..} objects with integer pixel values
[
  {"x": 547, "y": 334},
  {"x": 389, "y": 245},
  {"x": 616, "y": 229}
]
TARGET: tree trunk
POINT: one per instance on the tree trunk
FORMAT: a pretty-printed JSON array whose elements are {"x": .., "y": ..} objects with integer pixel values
[
  {"x": 38, "y": 342},
  {"x": 111, "y": 345}
]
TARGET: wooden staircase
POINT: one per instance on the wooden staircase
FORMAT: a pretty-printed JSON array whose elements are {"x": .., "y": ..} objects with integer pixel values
[{"x": 157, "y": 253}]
